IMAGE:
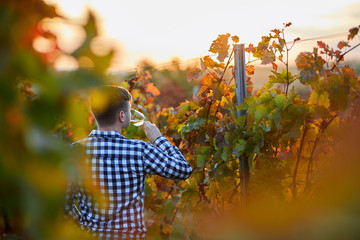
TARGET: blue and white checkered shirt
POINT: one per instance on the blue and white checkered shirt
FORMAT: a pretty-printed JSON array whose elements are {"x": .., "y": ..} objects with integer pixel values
[{"x": 117, "y": 168}]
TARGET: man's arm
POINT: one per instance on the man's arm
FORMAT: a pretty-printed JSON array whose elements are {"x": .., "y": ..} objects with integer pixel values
[
  {"x": 163, "y": 158},
  {"x": 71, "y": 196},
  {"x": 70, "y": 199}
]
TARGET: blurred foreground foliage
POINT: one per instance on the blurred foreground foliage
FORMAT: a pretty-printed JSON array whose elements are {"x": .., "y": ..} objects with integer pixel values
[
  {"x": 39, "y": 107},
  {"x": 302, "y": 152}
]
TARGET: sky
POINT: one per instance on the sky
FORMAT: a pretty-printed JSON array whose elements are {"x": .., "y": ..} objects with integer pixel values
[{"x": 160, "y": 30}]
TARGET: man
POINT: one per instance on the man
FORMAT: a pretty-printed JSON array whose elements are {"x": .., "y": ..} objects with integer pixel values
[{"x": 109, "y": 202}]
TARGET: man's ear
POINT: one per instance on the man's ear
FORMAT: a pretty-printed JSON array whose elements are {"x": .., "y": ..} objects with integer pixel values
[{"x": 121, "y": 116}]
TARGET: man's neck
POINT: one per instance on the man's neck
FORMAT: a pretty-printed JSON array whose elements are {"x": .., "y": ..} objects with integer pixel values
[{"x": 109, "y": 128}]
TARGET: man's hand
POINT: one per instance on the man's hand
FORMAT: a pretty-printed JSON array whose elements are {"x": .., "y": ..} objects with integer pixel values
[{"x": 151, "y": 131}]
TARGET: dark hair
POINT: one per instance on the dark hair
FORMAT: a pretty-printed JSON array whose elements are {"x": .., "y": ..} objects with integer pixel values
[{"x": 106, "y": 102}]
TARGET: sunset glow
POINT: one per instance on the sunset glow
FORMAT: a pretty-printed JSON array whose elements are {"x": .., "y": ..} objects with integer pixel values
[{"x": 160, "y": 30}]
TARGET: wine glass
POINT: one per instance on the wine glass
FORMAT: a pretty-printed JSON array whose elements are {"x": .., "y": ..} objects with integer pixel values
[{"x": 137, "y": 118}]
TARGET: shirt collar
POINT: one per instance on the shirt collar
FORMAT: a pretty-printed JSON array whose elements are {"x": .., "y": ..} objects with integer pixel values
[{"x": 111, "y": 134}]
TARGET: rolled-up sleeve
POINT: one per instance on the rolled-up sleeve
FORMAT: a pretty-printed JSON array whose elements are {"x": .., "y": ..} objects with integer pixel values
[{"x": 166, "y": 160}]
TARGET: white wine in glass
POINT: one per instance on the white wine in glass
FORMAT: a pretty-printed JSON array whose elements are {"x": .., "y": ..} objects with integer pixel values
[{"x": 137, "y": 118}]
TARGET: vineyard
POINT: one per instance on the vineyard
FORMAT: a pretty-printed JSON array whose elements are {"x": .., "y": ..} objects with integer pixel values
[{"x": 301, "y": 149}]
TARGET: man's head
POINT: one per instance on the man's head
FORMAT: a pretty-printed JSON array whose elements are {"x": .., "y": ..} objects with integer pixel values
[{"x": 108, "y": 102}]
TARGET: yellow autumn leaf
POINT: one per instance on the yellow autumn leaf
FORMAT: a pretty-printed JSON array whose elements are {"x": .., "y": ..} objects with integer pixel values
[
  {"x": 211, "y": 193},
  {"x": 321, "y": 99},
  {"x": 324, "y": 100}
]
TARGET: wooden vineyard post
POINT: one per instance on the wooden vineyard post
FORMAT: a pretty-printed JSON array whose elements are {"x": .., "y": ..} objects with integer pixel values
[{"x": 240, "y": 81}]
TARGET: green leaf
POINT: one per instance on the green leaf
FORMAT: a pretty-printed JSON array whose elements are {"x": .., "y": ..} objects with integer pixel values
[
  {"x": 277, "y": 117},
  {"x": 291, "y": 97},
  {"x": 193, "y": 123},
  {"x": 265, "y": 127},
  {"x": 265, "y": 97},
  {"x": 297, "y": 114},
  {"x": 248, "y": 102},
  {"x": 216, "y": 147},
  {"x": 239, "y": 148},
  {"x": 226, "y": 153},
  {"x": 283, "y": 77},
  {"x": 339, "y": 90},
  {"x": 183, "y": 109},
  {"x": 294, "y": 132},
  {"x": 229, "y": 137},
  {"x": 308, "y": 76},
  {"x": 339, "y": 97},
  {"x": 260, "y": 112},
  {"x": 276, "y": 78},
  {"x": 203, "y": 154},
  {"x": 232, "y": 107},
  {"x": 280, "y": 100},
  {"x": 201, "y": 160}
]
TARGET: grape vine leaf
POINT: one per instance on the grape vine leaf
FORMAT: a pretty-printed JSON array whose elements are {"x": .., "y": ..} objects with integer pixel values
[
  {"x": 320, "y": 98},
  {"x": 353, "y": 32},
  {"x": 194, "y": 74},
  {"x": 221, "y": 46}
]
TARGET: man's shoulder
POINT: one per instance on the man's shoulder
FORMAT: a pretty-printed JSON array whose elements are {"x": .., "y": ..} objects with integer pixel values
[
  {"x": 100, "y": 138},
  {"x": 93, "y": 140}
]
